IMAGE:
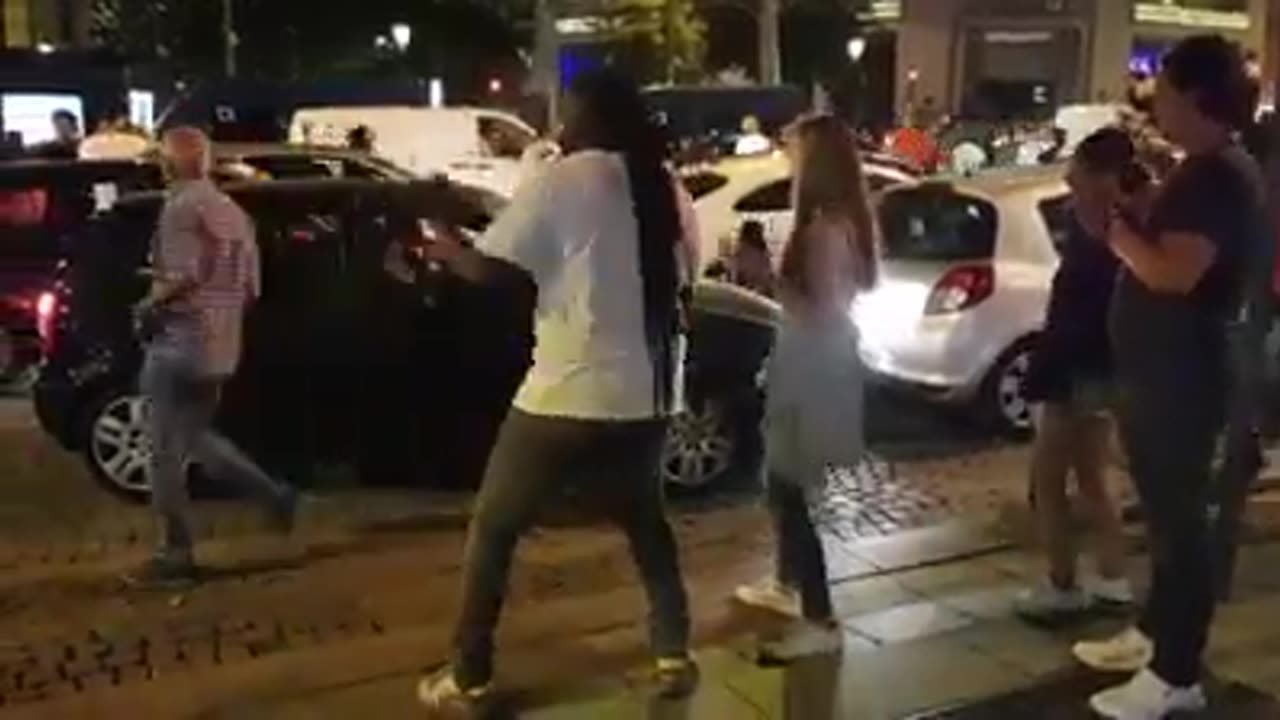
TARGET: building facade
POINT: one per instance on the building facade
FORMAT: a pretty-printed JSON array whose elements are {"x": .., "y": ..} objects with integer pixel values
[
  {"x": 46, "y": 23},
  {"x": 995, "y": 56}
]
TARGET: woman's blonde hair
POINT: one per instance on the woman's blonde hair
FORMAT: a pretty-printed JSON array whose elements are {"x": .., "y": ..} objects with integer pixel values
[{"x": 829, "y": 184}]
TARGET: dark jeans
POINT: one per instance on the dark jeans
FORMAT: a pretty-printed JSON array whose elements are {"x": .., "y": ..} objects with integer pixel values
[
  {"x": 535, "y": 458},
  {"x": 1170, "y": 431},
  {"x": 801, "y": 560}
]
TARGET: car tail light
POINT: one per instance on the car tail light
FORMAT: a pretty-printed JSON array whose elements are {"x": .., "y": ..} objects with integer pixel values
[
  {"x": 47, "y": 320},
  {"x": 960, "y": 289}
]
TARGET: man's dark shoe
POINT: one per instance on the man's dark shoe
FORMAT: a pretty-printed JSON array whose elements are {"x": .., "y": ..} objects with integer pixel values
[{"x": 161, "y": 573}]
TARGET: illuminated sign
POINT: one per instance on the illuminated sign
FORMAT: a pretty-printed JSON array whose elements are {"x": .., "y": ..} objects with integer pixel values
[
  {"x": 882, "y": 11},
  {"x": 31, "y": 114},
  {"x": 1167, "y": 14},
  {"x": 581, "y": 25},
  {"x": 1020, "y": 37}
]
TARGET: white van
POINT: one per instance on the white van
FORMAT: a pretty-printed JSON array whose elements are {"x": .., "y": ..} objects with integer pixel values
[{"x": 473, "y": 146}]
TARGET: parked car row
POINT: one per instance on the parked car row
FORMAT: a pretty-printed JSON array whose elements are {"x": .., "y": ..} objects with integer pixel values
[
  {"x": 43, "y": 203},
  {"x": 345, "y": 363}
]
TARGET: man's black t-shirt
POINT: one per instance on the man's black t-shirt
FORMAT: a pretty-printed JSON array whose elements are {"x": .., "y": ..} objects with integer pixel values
[{"x": 1183, "y": 338}]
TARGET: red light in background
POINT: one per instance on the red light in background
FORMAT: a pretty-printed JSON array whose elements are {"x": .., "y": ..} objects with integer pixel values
[{"x": 495, "y": 85}]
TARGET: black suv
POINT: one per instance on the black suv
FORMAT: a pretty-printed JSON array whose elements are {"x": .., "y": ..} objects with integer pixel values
[
  {"x": 44, "y": 202},
  {"x": 347, "y": 363},
  {"x": 41, "y": 202}
]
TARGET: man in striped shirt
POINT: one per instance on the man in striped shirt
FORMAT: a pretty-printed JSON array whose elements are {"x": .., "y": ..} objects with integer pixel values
[{"x": 206, "y": 273}]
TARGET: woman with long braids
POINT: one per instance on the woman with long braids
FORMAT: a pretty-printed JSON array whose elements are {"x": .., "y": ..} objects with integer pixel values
[{"x": 599, "y": 233}]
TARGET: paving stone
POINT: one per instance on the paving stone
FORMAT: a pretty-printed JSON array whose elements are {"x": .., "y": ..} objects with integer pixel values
[
  {"x": 990, "y": 603},
  {"x": 1031, "y": 651},
  {"x": 869, "y": 595},
  {"x": 905, "y": 678},
  {"x": 931, "y": 545},
  {"x": 908, "y": 622},
  {"x": 948, "y": 578}
]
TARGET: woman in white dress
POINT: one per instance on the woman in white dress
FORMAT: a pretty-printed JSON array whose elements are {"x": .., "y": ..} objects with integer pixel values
[{"x": 814, "y": 414}]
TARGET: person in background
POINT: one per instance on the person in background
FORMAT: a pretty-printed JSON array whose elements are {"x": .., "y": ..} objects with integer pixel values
[
  {"x": 967, "y": 158},
  {"x": 206, "y": 273},
  {"x": 751, "y": 266},
  {"x": 814, "y": 413},
  {"x": 752, "y": 141},
  {"x": 1070, "y": 376},
  {"x": 599, "y": 233},
  {"x": 1185, "y": 266},
  {"x": 66, "y": 140},
  {"x": 360, "y": 139}
]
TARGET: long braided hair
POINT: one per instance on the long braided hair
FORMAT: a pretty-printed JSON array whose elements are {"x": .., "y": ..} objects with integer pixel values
[{"x": 624, "y": 124}]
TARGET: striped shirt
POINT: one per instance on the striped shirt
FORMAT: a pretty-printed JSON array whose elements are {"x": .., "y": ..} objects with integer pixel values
[{"x": 206, "y": 239}]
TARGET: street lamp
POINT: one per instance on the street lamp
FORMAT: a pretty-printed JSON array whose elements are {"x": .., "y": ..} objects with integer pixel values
[
  {"x": 857, "y": 47},
  {"x": 402, "y": 35}
]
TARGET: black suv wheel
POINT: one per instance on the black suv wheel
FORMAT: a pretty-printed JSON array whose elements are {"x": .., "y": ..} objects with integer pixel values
[{"x": 115, "y": 443}]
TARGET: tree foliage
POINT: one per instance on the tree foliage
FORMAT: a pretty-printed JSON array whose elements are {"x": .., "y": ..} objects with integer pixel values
[{"x": 665, "y": 37}]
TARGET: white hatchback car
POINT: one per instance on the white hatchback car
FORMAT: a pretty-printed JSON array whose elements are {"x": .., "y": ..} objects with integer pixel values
[
  {"x": 739, "y": 190},
  {"x": 966, "y": 276},
  {"x": 967, "y": 266}
]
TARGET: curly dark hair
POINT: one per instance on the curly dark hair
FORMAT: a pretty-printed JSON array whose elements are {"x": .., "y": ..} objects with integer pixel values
[{"x": 1213, "y": 69}]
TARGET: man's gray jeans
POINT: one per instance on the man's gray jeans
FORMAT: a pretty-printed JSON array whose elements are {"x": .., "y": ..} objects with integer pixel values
[
  {"x": 536, "y": 458},
  {"x": 182, "y": 407}
]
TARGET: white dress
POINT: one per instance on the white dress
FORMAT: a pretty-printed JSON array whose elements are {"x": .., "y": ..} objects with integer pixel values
[{"x": 814, "y": 410}]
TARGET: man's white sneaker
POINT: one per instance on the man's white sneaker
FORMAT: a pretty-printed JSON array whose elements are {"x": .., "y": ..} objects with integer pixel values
[
  {"x": 1130, "y": 651},
  {"x": 804, "y": 639},
  {"x": 772, "y": 596},
  {"x": 1046, "y": 602},
  {"x": 1116, "y": 593},
  {"x": 1147, "y": 697},
  {"x": 440, "y": 691}
]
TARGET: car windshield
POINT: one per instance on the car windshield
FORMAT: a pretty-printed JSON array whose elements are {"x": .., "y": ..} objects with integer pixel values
[{"x": 941, "y": 224}]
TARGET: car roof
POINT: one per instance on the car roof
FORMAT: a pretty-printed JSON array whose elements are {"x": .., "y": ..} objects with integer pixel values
[
  {"x": 222, "y": 150},
  {"x": 37, "y": 166},
  {"x": 1006, "y": 181},
  {"x": 327, "y": 186},
  {"x": 743, "y": 173}
]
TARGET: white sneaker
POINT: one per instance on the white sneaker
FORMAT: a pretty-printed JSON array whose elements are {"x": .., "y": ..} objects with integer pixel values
[
  {"x": 440, "y": 691},
  {"x": 805, "y": 639},
  {"x": 1116, "y": 593},
  {"x": 1130, "y": 651},
  {"x": 1147, "y": 697},
  {"x": 1046, "y": 602},
  {"x": 772, "y": 596}
]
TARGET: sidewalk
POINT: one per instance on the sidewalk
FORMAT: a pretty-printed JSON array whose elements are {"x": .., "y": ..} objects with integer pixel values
[
  {"x": 927, "y": 637},
  {"x": 937, "y": 642}
]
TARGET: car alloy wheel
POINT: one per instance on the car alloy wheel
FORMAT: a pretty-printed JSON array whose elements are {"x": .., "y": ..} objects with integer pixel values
[
  {"x": 698, "y": 448},
  {"x": 1011, "y": 393},
  {"x": 119, "y": 445}
]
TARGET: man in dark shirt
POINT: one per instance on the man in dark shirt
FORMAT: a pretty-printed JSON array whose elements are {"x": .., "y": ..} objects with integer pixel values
[{"x": 1179, "y": 296}]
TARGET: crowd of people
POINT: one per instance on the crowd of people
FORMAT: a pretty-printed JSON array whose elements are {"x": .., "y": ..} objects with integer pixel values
[{"x": 1149, "y": 295}]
